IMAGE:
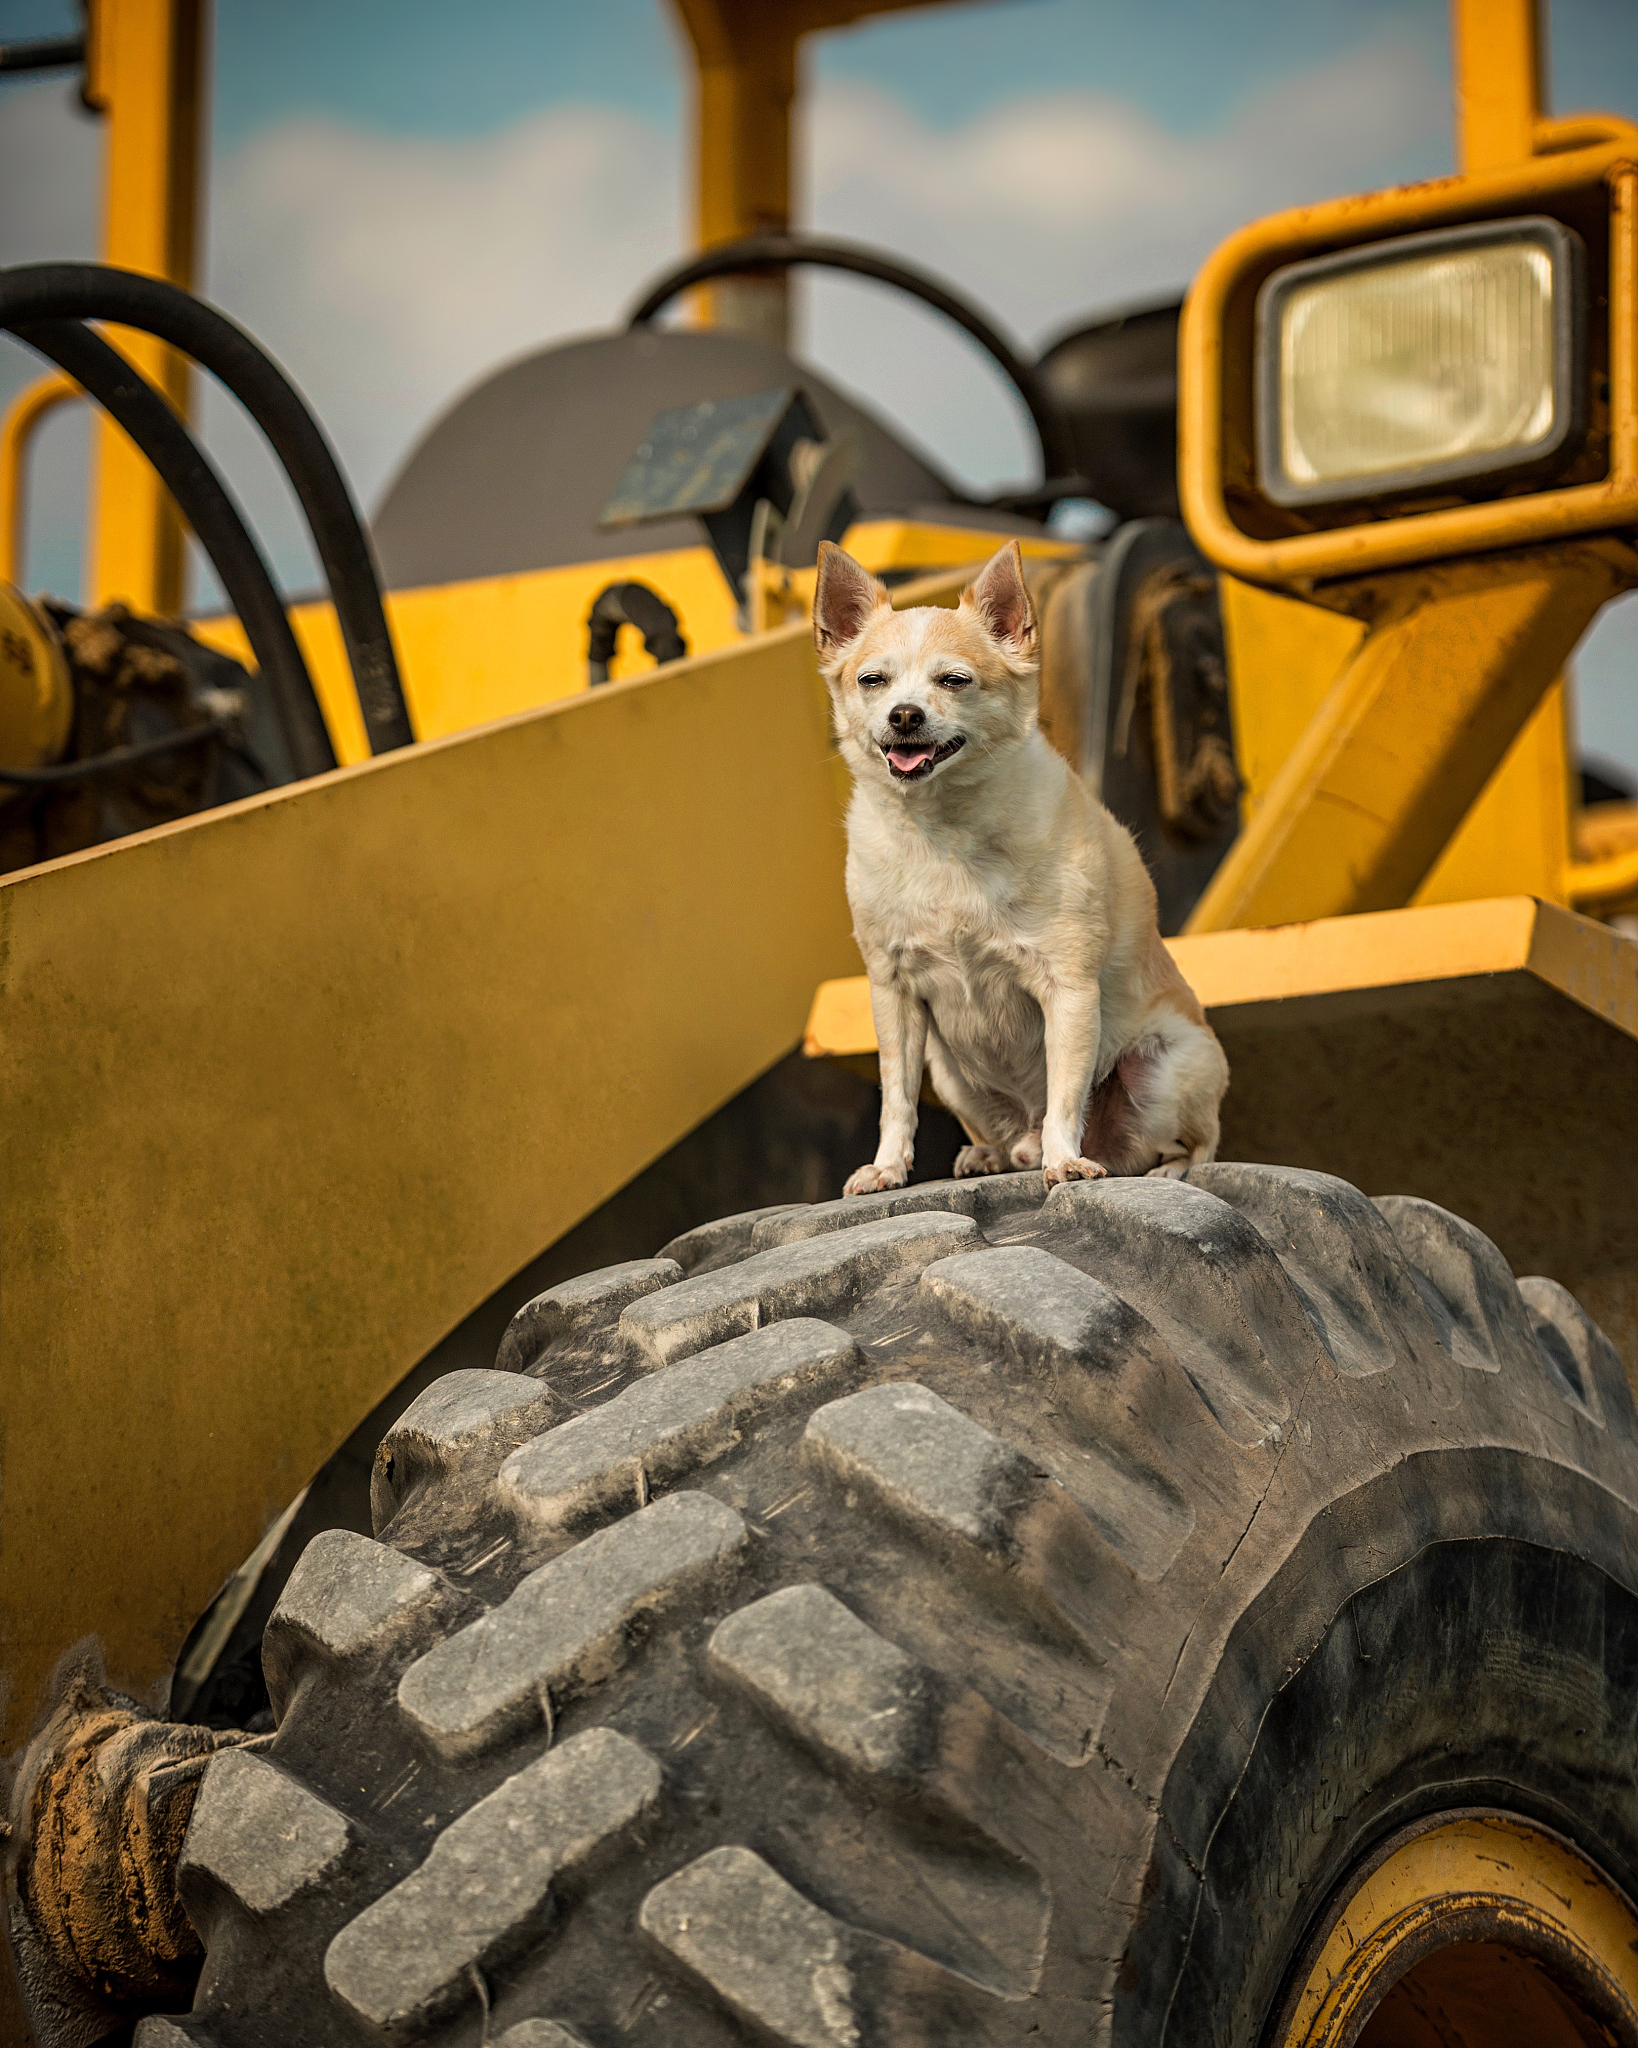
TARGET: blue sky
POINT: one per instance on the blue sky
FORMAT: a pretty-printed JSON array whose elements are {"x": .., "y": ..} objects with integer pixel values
[{"x": 405, "y": 192}]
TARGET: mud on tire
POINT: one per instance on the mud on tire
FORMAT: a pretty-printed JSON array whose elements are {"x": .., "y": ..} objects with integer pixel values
[{"x": 953, "y": 1615}]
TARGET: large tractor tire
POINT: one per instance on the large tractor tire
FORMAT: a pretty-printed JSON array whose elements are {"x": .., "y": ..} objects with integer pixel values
[{"x": 1151, "y": 1612}]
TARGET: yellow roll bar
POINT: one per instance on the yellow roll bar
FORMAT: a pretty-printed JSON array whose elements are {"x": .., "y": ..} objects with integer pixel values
[{"x": 23, "y": 415}]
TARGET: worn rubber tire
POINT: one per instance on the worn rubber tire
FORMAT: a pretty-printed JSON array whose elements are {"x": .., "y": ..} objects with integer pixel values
[{"x": 1016, "y": 1637}]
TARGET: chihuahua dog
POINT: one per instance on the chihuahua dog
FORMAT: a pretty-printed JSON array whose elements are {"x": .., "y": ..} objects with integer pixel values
[{"x": 1006, "y": 919}]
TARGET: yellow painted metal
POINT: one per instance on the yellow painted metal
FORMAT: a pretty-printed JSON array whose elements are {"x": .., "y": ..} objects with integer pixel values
[
  {"x": 1391, "y": 949},
  {"x": 1489, "y": 1876},
  {"x": 485, "y": 649},
  {"x": 23, "y": 415},
  {"x": 1497, "y": 78},
  {"x": 1285, "y": 655},
  {"x": 1460, "y": 656},
  {"x": 144, "y": 69},
  {"x": 1593, "y": 967},
  {"x": 1415, "y": 751},
  {"x": 345, "y": 1057},
  {"x": 36, "y": 698},
  {"x": 1603, "y": 876},
  {"x": 475, "y": 651},
  {"x": 1516, "y": 838},
  {"x": 745, "y": 79},
  {"x": 1214, "y": 454}
]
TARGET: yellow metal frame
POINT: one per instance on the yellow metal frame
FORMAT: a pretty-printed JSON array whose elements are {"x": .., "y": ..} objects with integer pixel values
[
  {"x": 1341, "y": 955},
  {"x": 474, "y": 651},
  {"x": 145, "y": 69},
  {"x": 1215, "y": 371},
  {"x": 1457, "y": 661},
  {"x": 1284, "y": 655},
  {"x": 25, "y": 413},
  {"x": 745, "y": 82}
]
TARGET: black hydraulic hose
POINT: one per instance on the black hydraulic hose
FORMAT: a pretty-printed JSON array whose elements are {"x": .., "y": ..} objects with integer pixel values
[
  {"x": 46, "y": 53},
  {"x": 778, "y": 252},
  {"x": 205, "y": 503},
  {"x": 116, "y": 757},
  {"x": 96, "y": 291}
]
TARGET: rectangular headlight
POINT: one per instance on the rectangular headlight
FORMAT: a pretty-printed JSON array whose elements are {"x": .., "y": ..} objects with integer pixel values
[{"x": 1431, "y": 359}]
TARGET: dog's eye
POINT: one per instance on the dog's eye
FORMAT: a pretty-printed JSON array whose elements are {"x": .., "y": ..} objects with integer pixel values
[
  {"x": 955, "y": 680},
  {"x": 871, "y": 680}
]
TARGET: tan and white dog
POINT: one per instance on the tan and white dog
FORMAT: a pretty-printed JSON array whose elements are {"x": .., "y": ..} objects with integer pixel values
[{"x": 1006, "y": 919}]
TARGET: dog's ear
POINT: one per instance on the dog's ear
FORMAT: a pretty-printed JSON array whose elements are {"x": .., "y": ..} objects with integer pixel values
[
  {"x": 843, "y": 600},
  {"x": 1001, "y": 599}
]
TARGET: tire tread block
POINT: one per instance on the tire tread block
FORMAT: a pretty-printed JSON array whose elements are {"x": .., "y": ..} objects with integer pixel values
[
  {"x": 1581, "y": 1361},
  {"x": 487, "y": 1880},
  {"x": 1208, "y": 1281},
  {"x": 571, "y": 1308},
  {"x": 998, "y": 1512},
  {"x": 1111, "y": 1375},
  {"x": 257, "y": 1835},
  {"x": 671, "y": 1422},
  {"x": 814, "y": 1277},
  {"x": 877, "y": 1717},
  {"x": 564, "y": 1627},
  {"x": 1339, "y": 1253},
  {"x": 984, "y": 1199},
  {"x": 348, "y": 1598},
  {"x": 464, "y": 1420},
  {"x": 1467, "y": 1285}
]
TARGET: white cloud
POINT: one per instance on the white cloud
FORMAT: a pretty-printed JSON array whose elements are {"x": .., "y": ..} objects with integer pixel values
[
  {"x": 1047, "y": 208},
  {"x": 387, "y": 273}
]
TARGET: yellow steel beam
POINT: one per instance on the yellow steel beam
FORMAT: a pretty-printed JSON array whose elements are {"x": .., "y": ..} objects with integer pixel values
[
  {"x": 1409, "y": 734},
  {"x": 144, "y": 69},
  {"x": 23, "y": 415},
  {"x": 745, "y": 80},
  {"x": 290, "y": 1087},
  {"x": 1285, "y": 655},
  {"x": 1594, "y": 968},
  {"x": 1497, "y": 80}
]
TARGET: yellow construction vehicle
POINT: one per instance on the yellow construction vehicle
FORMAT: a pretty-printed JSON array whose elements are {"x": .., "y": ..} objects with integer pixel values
[{"x": 490, "y": 1548}]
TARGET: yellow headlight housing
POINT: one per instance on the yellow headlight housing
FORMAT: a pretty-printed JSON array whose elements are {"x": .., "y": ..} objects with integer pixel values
[{"x": 1429, "y": 360}]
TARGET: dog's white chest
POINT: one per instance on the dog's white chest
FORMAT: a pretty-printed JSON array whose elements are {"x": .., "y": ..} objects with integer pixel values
[{"x": 965, "y": 963}]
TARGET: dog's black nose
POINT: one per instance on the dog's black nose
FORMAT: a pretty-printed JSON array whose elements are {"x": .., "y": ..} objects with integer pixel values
[{"x": 905, "y": 718}]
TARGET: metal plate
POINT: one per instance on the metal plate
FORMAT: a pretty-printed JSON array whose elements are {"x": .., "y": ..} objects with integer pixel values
[{"x": 697, "y": 458}]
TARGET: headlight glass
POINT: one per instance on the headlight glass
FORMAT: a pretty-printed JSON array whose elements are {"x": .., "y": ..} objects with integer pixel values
[{"x": 1432, "y": 358}]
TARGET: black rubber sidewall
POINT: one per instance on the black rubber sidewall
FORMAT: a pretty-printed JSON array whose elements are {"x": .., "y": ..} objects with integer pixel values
[{"x": 1493, "y": 1668}]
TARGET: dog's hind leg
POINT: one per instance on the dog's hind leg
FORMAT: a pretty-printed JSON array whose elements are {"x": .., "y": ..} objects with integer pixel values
[{"x": 1175, "y": 1090}]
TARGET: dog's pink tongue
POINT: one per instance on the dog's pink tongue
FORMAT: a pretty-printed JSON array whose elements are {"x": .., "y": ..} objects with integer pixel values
[{"x": 905, "y": 759}]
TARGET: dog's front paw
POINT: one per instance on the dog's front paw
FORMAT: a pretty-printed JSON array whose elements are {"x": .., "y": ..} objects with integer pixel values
[
  {"x": 875, "y": 1180},
  {"x": 1074, "y": 1169},
  {"x": 1026, "y": 1154},
  {"x": 973, "y": 1159},
  {"x": 1168, "y": 1169}
]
